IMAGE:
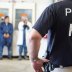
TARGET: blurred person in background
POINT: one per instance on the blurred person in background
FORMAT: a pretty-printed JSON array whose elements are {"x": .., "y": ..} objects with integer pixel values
[
  {"x": 23, "y": 28},
  {"x": 6, "y": 31}
]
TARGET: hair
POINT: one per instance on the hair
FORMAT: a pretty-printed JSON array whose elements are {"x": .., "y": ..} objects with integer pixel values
[{"x": 6, "y": 17}]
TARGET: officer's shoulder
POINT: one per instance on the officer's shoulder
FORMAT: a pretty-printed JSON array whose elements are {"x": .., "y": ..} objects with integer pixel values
[{"x": 55, "y": 5}]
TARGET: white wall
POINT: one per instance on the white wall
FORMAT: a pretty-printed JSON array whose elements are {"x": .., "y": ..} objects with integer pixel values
[{"x": 41, "y": 5}]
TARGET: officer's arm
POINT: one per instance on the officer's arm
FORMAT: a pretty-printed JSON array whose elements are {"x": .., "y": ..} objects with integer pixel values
[
  {"x": 35, "y": 38},
  {"x": 41, "y": 27}
]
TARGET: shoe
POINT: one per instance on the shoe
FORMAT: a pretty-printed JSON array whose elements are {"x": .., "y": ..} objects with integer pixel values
[
  {"x": 26, "y": 57},
  {"x": 20, "y": 58}
]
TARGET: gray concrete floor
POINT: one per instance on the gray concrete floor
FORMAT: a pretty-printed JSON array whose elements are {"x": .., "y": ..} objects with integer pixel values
[{"x": 15, "y": 66}]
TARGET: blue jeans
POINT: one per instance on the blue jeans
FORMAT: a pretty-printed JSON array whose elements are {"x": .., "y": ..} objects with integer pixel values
[
  {"x": 22, "y": 49},
  {"x": 6, "y": 42}
]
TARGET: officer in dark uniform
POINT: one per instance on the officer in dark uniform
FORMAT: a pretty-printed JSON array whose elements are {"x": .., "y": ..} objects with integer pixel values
[
  {"x": 6, "y": 32},
  {"x": 57, "y": 18}
]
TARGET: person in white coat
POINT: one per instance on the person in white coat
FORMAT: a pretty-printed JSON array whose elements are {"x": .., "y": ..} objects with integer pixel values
[{"x": 23, "y": 33}]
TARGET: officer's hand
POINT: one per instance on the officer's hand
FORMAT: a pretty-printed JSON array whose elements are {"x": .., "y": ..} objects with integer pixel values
[{"x": 37, "y": 65}]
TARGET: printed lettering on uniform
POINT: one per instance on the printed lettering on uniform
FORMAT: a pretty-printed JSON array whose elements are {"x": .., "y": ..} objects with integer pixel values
[
  {"x": 68, "y": 11},
  {"x": 70, "y": 30}
]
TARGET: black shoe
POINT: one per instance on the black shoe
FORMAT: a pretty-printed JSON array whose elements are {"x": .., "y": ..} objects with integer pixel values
[
  {"x": 20, "y": 58},
  {"x": 26, "y": 57}
]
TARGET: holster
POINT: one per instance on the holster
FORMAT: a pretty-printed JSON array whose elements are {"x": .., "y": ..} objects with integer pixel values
[{"x": 48, "y": 67}]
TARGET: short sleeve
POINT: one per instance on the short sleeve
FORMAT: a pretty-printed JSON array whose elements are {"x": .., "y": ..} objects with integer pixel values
[{"x": 45, "y": 21}]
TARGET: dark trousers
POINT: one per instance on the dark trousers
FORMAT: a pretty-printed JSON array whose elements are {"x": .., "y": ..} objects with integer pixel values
[
  {"x": 6, "y": 42},
  {"x": 22, "y": 49}
]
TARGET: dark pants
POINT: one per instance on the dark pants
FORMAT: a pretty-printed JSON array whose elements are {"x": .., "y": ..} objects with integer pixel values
[
  {"x": 6, "y": 42},
  {"x": 22, "y": 49}
]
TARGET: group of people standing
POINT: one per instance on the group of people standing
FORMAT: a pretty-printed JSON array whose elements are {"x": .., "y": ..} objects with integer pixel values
[{"x": 6, "y": 36}]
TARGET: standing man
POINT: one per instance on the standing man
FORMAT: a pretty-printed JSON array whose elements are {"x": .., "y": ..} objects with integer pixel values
[
  {"x": 6, "y": 30},
  {"x": 23, "y": 28},
  {"x": 58, "y": 19}
]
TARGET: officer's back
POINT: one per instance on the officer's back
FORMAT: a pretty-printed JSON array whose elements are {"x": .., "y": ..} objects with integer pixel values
[{"x": 62, "y": 49}]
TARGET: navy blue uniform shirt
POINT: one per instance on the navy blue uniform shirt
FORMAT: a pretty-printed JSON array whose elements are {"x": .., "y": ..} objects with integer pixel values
[{"x": 58, "y": 18}]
